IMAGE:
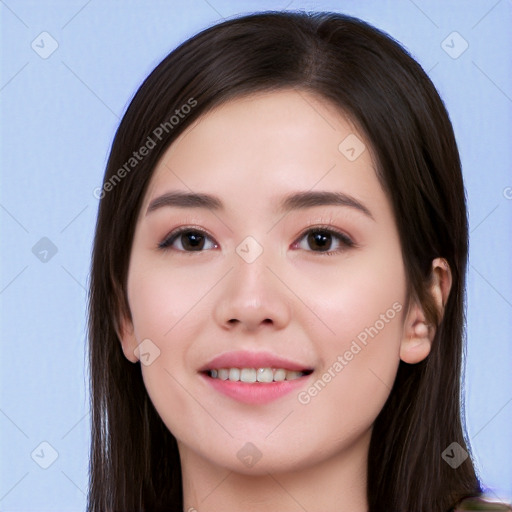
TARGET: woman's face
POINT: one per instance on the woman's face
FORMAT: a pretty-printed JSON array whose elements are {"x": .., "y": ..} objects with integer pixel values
[{"x": 266, "y": 249}]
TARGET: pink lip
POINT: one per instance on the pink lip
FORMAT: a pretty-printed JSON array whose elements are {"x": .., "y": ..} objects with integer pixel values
[
  {"x": 244, "y": 359},
  {"x": 256, "y": 392},
  {"x": 253, "y": 392}
]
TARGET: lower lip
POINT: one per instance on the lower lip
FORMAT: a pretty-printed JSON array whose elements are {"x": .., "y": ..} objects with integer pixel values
[{"x": 255, "y": 392}]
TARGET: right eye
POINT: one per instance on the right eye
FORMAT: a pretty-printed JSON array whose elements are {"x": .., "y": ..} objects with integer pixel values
[{"x": 187, "y": 240}]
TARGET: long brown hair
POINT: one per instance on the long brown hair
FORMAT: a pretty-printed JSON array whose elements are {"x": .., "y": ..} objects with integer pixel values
[{"x": 134, "y": 460}]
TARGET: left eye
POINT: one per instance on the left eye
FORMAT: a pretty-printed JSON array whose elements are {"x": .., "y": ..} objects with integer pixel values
[
  {"x": 323, "y": 240},
  {"x": 188, "y": 240}
]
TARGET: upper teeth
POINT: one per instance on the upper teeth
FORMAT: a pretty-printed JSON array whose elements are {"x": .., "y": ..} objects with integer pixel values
[{"x": 255, "y": 374}]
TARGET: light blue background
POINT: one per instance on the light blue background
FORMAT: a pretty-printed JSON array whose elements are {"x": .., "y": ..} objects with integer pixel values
[{"x": 59, "y": 116}]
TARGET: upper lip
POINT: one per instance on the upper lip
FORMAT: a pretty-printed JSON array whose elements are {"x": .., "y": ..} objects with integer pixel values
[{"x": 244, "y": 359}]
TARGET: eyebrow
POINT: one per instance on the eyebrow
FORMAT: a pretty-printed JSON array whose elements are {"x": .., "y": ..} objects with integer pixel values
[
  {"x": 185, "y": 200},
  {"x": 295, "y": 201},
  {"x": 302, "y": 200}
]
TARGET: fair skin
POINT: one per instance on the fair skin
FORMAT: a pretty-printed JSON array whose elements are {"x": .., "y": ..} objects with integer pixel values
[{"x": 293, "y": 300}]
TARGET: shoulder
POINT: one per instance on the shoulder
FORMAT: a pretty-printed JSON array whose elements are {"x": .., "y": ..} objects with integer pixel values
[{"x": 481, "y": 504}]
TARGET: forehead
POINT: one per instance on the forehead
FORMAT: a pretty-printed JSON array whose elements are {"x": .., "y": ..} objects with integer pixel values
[{"x": 253, "y": 149}]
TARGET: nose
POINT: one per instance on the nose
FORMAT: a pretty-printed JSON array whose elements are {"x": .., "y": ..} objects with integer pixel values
[{"x": 252, "y": 298}]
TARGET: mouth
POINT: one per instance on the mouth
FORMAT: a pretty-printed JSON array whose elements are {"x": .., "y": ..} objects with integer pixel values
[{"x": 254, "y": 377}]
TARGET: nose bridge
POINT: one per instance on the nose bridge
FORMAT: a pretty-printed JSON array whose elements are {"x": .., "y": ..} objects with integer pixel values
[
  {"x": 252, "y": 296},
  {"x": 251, "y": 284}
]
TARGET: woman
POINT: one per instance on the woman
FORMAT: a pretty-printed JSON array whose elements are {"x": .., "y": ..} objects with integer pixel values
[{"x": 276, "y": 307}]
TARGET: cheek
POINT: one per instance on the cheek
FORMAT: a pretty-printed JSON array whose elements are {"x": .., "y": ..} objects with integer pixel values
[
  {"x": 361, "y": 308},
  {"x": 162, "y": 297},
  {"x": 169, "y": 307},
  {"x": 364, "y": 290}
]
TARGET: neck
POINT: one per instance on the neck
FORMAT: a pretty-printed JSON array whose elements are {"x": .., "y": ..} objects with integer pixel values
[{"x": 335, "y": 484}]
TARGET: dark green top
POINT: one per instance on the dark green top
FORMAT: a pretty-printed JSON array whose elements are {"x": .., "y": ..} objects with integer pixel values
[{"x": 481, "y": 504}]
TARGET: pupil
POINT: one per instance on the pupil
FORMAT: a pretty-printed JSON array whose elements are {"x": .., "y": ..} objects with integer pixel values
[
  {"x": 192, "y": 241},
  {"x": 320, "y": 240}
]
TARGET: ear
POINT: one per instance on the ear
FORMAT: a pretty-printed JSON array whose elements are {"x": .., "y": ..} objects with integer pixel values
[
  {"x": 126, "y": 334},
  {"x": 418, "y": 334}
]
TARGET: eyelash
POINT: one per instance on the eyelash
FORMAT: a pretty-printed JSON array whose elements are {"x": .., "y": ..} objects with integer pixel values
[{"x": 345, "y": 241}]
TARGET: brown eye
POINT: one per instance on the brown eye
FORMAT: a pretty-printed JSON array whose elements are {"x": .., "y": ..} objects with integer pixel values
[
  {"x": 320, "y": 240},
  {"x": 324, "y": 240},
  {"x": 188, "y": 240}
]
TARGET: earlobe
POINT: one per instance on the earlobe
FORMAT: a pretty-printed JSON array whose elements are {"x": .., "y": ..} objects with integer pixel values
[
  {"x": 417, "y": 342},
  {"x": 418, "y": 333},
  {"x": 126, "y": 334}
]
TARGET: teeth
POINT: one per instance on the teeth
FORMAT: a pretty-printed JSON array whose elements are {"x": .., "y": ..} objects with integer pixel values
[
  {"x": 293, "y": 375},
  {"x": 234, "y": 374},
  {"x": 265, "y": 375},
  {"x": 279, "y": 374},
  {"x": 251, "y": 375},
  {"x": 248, "y": 375}
]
